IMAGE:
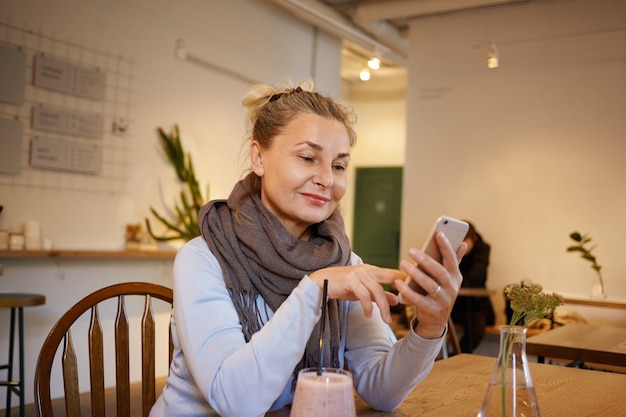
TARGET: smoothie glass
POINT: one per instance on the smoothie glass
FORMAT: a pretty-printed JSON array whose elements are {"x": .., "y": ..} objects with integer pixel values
[{"x": 327, "y": 395}]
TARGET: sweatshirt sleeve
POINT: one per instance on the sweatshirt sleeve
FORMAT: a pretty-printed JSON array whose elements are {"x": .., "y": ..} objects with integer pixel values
[
  {"x": 223, "y": 366},
  {"x": 385, "y": 371}
]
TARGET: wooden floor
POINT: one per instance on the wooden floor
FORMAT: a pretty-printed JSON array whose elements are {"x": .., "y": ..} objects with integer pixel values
[{"x": 59, "y": 406}]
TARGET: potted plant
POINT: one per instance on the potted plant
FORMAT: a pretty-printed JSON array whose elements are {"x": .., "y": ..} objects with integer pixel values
[
  {"x": 581, "y": 246},
  {"x": 184, "y": 224}
]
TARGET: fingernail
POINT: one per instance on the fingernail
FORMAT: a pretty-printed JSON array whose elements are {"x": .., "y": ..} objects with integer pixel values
[{"x": 387, "y": 318}]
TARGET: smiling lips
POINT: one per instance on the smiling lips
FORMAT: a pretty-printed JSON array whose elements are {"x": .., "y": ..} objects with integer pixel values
[{"x": 316, "y": 199}]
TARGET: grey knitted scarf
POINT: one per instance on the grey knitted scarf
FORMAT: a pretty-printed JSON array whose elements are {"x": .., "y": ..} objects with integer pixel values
[{"x": 258, "y": 256}]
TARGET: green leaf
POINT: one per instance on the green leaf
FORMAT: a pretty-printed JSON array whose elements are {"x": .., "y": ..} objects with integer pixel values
[
  {"x": 588, "y": 257},
  {"x": 576, "y": 236},
  {"x": 575, "y": 249}
]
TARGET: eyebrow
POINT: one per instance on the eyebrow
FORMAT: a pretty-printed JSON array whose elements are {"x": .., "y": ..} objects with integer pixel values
[{"x": 319, "y": 148}]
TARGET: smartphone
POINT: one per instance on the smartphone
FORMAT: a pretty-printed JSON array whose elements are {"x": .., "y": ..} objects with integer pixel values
[{"x": 454, "y": 229}]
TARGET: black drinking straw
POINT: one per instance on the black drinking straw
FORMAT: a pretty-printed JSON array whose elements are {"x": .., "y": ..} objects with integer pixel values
[{"x": 324, "y": 302}]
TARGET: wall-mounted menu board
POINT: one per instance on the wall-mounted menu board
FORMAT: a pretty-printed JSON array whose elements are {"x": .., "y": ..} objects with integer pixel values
[
  {"x": 66, "y": 156},
  {"x": 47, "y": 118},
  {"x": 11, "y": 145},
  {"x": 68, "y": 122},
  {"x": 13, "y": 70},
  {"x": 69, "y": 78}
]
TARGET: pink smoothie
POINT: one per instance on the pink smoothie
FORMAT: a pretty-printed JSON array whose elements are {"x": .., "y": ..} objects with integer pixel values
[{"x": 327, "y": 395}]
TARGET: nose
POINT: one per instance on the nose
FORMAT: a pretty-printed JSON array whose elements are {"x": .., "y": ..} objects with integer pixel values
[{"x": 324, "y": 176}]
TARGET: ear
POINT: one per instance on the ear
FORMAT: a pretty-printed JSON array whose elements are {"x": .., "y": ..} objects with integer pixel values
[{"x": 256, "y": 159}]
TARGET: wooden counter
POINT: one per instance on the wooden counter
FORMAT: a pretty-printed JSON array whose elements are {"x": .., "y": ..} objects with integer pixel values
[
  {"x": 85, "y": 254},
  {"x": 595, "y": 302}
]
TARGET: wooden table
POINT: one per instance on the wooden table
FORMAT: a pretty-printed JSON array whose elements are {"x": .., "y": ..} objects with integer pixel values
[
  {"x": 595, "y": 302},
  {"x": 475, "y": 292},
  {"x": 581, "y": 343},
  {"x": 456, "y": 386}
]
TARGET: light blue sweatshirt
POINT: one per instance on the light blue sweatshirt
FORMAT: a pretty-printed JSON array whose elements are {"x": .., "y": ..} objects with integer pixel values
[{"x": 215, "y": 372}]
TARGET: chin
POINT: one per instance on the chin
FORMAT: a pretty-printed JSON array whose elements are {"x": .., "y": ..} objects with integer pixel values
[
  {"x": 314, "y": 215},
  {"x": 311, "y": 220}
]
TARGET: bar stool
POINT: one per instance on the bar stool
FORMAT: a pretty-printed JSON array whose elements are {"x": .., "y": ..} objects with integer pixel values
[{"x": 16, "y": 302}]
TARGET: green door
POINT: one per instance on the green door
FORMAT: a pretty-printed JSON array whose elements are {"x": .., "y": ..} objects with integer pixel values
[{"x": 377, "y": 205}]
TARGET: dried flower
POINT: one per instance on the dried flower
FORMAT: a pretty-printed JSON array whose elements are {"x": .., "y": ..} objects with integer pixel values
[{"x": 529, "y": 303}]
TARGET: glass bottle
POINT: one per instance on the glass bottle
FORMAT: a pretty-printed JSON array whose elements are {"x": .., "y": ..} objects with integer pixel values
[
  {"x": 511, "y": 392},
  {"x": 597, "y": 288}
]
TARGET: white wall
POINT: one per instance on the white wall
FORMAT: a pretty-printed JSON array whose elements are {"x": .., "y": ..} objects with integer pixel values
[
  {"x": 253, "y": 38},
  {"x": 381, "y": 138},
  {"x": 530, "y": 151}
]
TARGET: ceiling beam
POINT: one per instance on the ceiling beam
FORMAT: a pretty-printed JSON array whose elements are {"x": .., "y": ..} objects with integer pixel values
[
  {"x": 397, "y": 9},
  {"x": 327, "y": 19}
]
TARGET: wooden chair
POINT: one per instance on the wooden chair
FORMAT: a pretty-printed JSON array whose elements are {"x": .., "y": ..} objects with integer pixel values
[{"x": 61, "y": 332}]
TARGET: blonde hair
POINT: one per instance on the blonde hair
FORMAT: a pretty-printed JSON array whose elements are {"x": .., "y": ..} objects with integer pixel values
[{"x": 270, "y": 110}]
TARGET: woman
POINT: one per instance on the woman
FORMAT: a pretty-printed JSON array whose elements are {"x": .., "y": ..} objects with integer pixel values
[{"x": 247, "y": 293}]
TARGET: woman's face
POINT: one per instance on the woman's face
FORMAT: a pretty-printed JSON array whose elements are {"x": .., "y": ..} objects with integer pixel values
[{"x": 303, "y": 173}]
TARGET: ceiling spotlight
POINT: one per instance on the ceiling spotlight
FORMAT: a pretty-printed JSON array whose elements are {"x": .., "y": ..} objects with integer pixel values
[
  {"x": 374, "y": 63},
  {"x": 492, "y": 56},
  {"x": 364, "y": 75}
]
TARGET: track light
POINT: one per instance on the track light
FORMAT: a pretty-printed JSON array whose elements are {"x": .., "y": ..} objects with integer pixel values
[
  {"x": 374, "y": 63},
  {"x": 492, "y": 56}
]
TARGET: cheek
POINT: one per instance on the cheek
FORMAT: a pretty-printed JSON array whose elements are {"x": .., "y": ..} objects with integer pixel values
[{"x": 339, "y": 189}]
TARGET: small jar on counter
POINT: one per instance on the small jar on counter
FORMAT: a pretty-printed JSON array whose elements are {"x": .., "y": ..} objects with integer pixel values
[{"x": 16, "y": 241}]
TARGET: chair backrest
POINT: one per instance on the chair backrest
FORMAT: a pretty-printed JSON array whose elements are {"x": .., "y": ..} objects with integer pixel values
[{"x": 61, "y": 333}]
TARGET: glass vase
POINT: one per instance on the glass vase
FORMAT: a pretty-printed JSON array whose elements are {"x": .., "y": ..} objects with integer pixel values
[
  {"x": 597, "y": 288},
  {"x": 511, "y": 392}
]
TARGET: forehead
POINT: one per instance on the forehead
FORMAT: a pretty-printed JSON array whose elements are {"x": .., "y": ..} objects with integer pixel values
[{"x": 307, "y": 128}]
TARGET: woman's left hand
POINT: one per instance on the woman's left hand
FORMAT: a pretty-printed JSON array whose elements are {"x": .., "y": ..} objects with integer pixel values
[{"x": 440, "y": 283}]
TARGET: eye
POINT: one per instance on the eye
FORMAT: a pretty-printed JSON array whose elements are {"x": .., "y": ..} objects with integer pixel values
[
  {"x": 339, "y": 167},
  {"x": 306, "y": 158}
]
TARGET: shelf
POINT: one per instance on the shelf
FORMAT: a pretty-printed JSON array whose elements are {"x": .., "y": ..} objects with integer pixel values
[
  {"x": 596, "y": 302},
  {"x": 85, "y": 254}
]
